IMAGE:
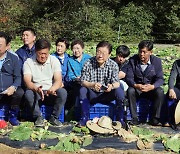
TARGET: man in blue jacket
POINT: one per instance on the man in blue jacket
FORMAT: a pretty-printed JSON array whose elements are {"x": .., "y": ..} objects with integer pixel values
[
  {"x": 144, "y": 77},
  {"x": 28, "y": 49},
  {"x": 10, "y": 79}
]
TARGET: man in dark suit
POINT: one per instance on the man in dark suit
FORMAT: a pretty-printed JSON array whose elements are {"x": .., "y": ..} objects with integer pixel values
[{"x": 144, "y": 77}]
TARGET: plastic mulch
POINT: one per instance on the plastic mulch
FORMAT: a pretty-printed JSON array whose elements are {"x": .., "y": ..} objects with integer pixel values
[{"x": 99, "y": 141}]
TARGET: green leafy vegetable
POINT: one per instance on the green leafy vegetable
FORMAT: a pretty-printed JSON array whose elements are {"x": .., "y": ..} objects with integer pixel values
[
  {"x": 22, "y": 132},
  {"x": 173, "y": 143},
  {"x": 142, "y": 131},
  {"x": 87, "y": 140}
]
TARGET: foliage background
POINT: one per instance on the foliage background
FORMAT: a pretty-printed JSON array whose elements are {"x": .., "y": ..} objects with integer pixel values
[
  {"x": 118, "y": 21},
  {"x": 94, "y": 20}
]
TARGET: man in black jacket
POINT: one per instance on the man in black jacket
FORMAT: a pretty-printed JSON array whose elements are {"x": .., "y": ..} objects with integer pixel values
[
  {"x": 174, "y": 91},
  {"x": 144, "y": 77}
]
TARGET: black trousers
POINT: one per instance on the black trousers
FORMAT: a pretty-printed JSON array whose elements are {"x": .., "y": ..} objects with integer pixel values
[
  {"x": 171, "y": 108},
  {"x": 13, "y": 100},
  {"x": 156, "y": 96}
]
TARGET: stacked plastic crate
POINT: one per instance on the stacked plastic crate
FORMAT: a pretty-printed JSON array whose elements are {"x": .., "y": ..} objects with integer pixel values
[
  {"x": 47, "y": 110},
  {"x": 143, "y": 110},
  {"x": 99, "y": 110},
  {"x": 4, "y": 109}
]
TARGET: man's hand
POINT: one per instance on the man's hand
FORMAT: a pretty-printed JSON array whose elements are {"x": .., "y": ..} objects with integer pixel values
[
  {"x": 97, "y": 86},
  {"x": 138, "y": 86},
  {"x": 172, "y": 94},
  {"x": 10, "y": 91},
  {"x": 110, "y": 87},
  {"x": 51, "y": 91},
  {"x": 144, "y": 88},
  {"x": 40, "y": 92},
  {"x": 122, "y": 75},
  {"x": 62, "y": 85},
  {"x": 147, "y": 87}
]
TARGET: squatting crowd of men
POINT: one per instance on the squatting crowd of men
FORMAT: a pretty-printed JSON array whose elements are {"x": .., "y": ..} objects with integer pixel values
[{"x": 31, "y": 76}]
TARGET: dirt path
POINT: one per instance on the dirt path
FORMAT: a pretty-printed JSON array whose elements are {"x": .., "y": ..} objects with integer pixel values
[{"x": 8, "y": 150}]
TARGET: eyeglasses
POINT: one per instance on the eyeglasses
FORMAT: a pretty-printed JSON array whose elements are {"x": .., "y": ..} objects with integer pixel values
[{"x": 100, "y": 53}]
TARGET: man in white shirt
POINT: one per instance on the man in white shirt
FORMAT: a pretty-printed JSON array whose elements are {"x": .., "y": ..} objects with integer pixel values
[{"x": 43, "y": 79}]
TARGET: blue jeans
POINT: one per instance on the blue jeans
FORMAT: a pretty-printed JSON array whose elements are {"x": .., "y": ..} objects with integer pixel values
[
  {"x": 34, "y": 101},
  {"x": 104, "y": 97}
]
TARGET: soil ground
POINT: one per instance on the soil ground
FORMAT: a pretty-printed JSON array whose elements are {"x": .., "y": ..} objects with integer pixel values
[{"x": 9, "y": 150}]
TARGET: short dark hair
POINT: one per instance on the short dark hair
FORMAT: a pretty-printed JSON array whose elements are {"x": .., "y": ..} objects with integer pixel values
[
  {"x": 42, "y": 44},
  {"x": 80, "y": 42},
  {"x": 6, "y": 37},
  {"x": 146, "y": 44},
  {"x": 65, "y": 41},
  {"x": 123, "y": 50},
  {"x": 29, "y": 29},
  {"x": 104, "y": 44}
]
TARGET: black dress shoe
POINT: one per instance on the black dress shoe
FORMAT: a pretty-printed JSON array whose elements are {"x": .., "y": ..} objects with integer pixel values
[
  {"x": 39, "y": 122},
  {"x": 155, "y": 122},
  {"x": 134, "y": 121},
  {"x": 174, "y": 127},
  {"x": 55, "y": 122}
]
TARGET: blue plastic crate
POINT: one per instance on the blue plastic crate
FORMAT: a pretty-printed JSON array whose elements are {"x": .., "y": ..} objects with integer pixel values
[
  {"x": 99, "y": 110},
  {"x": 47, "y": 110},
  {"x": 4, "y": 109},
  {"x": 143, "y": 110}
]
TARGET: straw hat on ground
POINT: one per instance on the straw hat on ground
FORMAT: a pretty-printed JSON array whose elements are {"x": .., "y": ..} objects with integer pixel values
[
  {"x": 177, "y": 113},
  {"x": 103, "y": 126}
]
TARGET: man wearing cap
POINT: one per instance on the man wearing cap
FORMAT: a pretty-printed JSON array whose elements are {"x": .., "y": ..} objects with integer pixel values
[
  {"x": 100, "y": 82},
  {"x": 145, "y": 78}
]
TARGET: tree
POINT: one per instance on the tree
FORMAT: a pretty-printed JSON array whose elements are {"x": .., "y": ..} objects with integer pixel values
[
  {"x": 135, "y": 23},
  {"x": 166, "y": 27},
  {"x": 92, "y": 23},
  {"x": 11, "y": 15}
]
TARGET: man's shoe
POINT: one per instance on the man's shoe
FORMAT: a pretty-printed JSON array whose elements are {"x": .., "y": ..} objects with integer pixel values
[
  {"x": 14, "y": 121},
  {"x": 39, "y": 122},
  {"x": 134, "y": 121},
  {"x": 82, "y": 123},
  {"x": 13, "y": 114},
  {"x": 174, "y": 127},
  {"x": 55, "y": 122},
  {"x": 155, "y": 122}
]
